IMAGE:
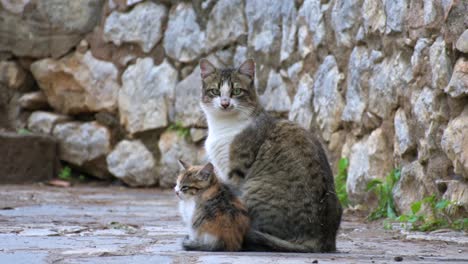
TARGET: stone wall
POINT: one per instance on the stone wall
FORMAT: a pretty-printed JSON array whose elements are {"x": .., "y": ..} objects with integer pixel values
[{"x": 382, "y": 82}]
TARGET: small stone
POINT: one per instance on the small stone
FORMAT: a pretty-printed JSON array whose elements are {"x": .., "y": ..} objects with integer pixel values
[
  {"x": 33, "y": 101},
  {"x": 84, "y": 145},
  {"x": 398, "y": 258},
  {"x": 404, "y": 140},
  {"x": 374, "y": 16},
  {"x": 458, "y": 85},
  {"x": 462, "y": 42},
  {"x": 142, "y": 25},
  {"x": 441, "y": 66},
  {"x": 455, "y": 143},
  {"x": 146, "y": 95},
  {"x": 395, "y": 12},
  {"x": 344, "y": 16},
  {"x": 311, "y": 31},
  {"x": 133, "y": 163},
  {"x": 198, "y": 134},
  {"x": 44, "y": 122},
  {"x": 12, "y": 75}
]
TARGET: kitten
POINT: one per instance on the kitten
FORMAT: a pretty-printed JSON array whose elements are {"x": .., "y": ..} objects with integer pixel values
[
  {"x": 280, "y": 169},
  {"x": 216, "y": 219}
]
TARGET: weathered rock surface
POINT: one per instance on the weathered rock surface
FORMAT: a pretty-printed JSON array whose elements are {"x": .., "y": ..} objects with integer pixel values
[
  {"x": 301, "y": 109},
  {"x": 455, "y": 143},
  {"x": 440, "y": 64},
  {"x": 44, "y": 122},
  {"x": 227, "y": 23},
  {"x": 187, "y": 99},
  {"x": 33, "y": 101},
  {"x": 133, "y": 163},
  {"x": 458, "y": 85},
  {"x": 12, "y": 75},
  {"x": 146, "y": 95},
  {"x": 27, "y": 158},
  {"x": 78, "y": 83},
  {"x": 276, "y": 98},
  {"x": 47, "y": 27},
  {"x": 183, "y": 40},
  {"x": 174, "y": 147},
  {"x": 84, "y": 145},
  {"x": 344, "y": 16},
  {"x": 410, "y": 188},
  {"x": 328, "y": 102},
  {"x": 396, "y": 11},
  {"x": 311, "y": 27},
  {"x": 404, "y": 139},
  {"x": 374, "y": 17},
  {"x": 462, "y": 42},
  {"x": 370, "y": 158},
  {"x": 142, "y": 25},
  {"x": 198, "y": 134}
]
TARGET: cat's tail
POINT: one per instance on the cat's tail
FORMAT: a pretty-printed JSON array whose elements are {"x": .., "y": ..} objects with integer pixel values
[{"x": 259, "y": 241}]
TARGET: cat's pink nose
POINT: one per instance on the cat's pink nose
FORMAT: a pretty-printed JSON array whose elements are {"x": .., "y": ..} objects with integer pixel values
[
  {"x": 225, "y": 104},
  {"x": 177, "y": 193}
]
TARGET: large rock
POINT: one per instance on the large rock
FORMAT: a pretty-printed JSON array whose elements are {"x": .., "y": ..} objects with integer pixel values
[
  {"x": 359, "y": 64},
  {"x": 187, "y": 100},
  {"x": 455, "y": 143},
  {"x": 47, "y": 27},
  {"x": 183, "y": 39},
  {"x": 462, "y": 42},
  {"x": 388, "y": 77},
  {"x": 146, "y": 95},
  {"x": 275, "y": 98},
  {"x": 419, "y": 57},
  {"x": 133, "y": 163},
  {"x": 458, "y": 85},
  {"x": 78, "y": 83},
  {"x": 272, "y": 29},
  {"x": 344, "y": 16},
  {"x": 301, "y": 109},
  {"x": 458, "y": 194},
  {"x": 328, "y": 103},
  {"x": 441, "y": 65},
  {"x": 227, "y": 23},
  {"x": 174, "y": 147},
  {"x": 404, "y": 139},
  {"x": 370, "y": 158},
  {"x": 311, "y": 31},
  {"x": 396, "y": 11},
  {"x": 27, "y": 158},
  {"x": 424, "y": 106},
  {"x": 44, "y": 122},
  {"x": 84, "y": 145},
  {"x": 142, "y": 25},
  {"x": 410, "y": 188}
]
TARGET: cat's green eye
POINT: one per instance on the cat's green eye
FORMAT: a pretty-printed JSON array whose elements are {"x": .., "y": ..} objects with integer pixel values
[
  {"x": 214, "y": 92},
  {"x": 236, "y": 91}
]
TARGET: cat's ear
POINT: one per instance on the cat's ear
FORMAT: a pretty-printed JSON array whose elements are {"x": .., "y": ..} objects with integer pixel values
[
  {"x": 183, "y": 165},
  {"x": 206, "y": 171},
  {"x": 248, "y": 68},
  {"x": 206, "y": 68}
]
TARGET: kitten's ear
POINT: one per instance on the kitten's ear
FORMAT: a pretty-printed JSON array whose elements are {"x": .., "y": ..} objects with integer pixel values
[
  {"x": 183, "y": 165},
  {"x": 248, "y": 68},
  {"x": 206, "y": 68},
  {"x": 206, "y": 171}
]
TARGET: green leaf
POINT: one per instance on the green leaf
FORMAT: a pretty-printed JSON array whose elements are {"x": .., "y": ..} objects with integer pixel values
[
  {"x": 373, "y": 183},
  {"x": 416, "y": 206},
  {"x": 343, "y": 164},
  {"x": 65, "y": 173},
  {"x": 23, "y": 131},
  {"x": 442, "y": 204}
]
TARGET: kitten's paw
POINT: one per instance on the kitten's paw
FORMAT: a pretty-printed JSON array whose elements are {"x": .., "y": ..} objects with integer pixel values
[{"x": 189, "y": 244}]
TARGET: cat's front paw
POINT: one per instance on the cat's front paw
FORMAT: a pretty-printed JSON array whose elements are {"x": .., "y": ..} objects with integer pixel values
[{"x": 188, "y": 244}]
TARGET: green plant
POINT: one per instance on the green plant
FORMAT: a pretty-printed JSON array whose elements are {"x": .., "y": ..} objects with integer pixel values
[
  {"x": 23, "y": 131},
  {"x": 383, "y": 191},
  {"x": 340, "y": 181},
  {"x": 65, "y": 174},
  {"x": 437, "y": 219},
  {"x": 179, "y": 128}
]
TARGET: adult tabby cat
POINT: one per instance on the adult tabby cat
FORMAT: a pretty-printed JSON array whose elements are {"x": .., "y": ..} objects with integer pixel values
[{"x": 280, "y": 169}]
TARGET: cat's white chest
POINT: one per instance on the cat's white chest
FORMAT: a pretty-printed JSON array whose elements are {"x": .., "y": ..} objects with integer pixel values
[{"x": 221, "y": 134}]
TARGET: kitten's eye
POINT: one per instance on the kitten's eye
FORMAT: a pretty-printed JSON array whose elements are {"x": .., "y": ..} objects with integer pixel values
[
  {"x": 214, "y": 92},
  {"x": 184, "y": 188},
  {"x": 236, "y": 91}
]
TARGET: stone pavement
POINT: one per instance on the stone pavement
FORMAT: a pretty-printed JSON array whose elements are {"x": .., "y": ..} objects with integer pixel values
[{"x": 42, "y": 224}]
